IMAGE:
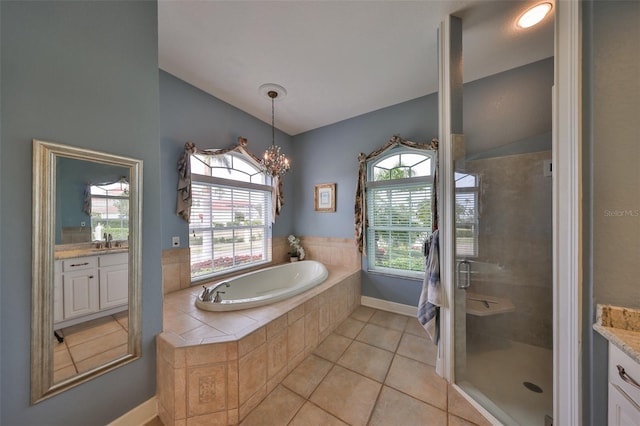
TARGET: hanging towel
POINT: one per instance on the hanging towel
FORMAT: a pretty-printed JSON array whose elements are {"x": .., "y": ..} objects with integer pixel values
[{"x": 431, "y": 295}]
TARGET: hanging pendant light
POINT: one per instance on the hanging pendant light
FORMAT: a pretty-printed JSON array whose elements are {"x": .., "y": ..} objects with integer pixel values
[{"x": 273, "y": 162}]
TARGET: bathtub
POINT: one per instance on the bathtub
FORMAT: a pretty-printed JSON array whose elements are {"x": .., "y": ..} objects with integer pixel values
[{"x": 266, "y": 286}]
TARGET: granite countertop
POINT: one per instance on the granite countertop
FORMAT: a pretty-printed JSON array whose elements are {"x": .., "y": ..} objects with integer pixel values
[
  {"x": 621, "y": 327},
  {"x": 69, "y": 251}
]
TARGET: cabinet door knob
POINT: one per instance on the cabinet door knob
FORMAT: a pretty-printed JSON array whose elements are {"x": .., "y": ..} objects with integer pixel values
[
  {"x": 90, "y": 276},
  {"x": 627, "y": 378}
]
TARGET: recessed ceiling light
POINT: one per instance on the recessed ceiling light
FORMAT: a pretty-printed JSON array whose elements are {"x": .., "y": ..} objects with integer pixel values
[{"x": 533, "y": 15}]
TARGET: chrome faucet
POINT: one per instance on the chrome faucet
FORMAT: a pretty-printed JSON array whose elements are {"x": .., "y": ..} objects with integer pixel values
[{"x": 208, "y": 293}]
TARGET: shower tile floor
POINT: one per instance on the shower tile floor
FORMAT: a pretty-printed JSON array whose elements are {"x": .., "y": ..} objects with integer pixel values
[
  {"x": 376, "y": 368},
  {"x": 510, "y": 365}
]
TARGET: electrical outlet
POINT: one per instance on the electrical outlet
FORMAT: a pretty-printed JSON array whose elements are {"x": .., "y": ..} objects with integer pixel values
[
  {"x": 175, "y": 241},
  {"x": 83, "y": 224}
]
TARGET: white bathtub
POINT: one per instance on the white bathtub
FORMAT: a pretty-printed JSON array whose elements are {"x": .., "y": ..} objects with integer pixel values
[{"x": 266, "y": 286}]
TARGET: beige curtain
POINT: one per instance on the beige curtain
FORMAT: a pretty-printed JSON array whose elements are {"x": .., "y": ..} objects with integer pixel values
[
  {"x": 361, "y": 186},
  {"x": 184, "y": 199}
]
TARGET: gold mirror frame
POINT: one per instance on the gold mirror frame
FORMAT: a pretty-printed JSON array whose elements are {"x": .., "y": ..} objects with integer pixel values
[{"x": 43, "y": 246}]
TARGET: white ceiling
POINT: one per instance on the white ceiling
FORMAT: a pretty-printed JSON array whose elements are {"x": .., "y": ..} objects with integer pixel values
[{"x": 336, "y": 59}]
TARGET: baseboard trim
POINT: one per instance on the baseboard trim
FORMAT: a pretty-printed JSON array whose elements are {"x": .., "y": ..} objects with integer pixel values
[
  {"x": 139, "y": 415},
  {"x": 385, "y": 305}
]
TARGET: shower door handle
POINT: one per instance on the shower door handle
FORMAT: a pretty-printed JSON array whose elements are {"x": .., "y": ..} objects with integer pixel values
[{"x": 467, "y": 269}]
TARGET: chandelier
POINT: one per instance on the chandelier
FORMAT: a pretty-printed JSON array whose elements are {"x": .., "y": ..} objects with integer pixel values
[{"x": 273, "y": 162}]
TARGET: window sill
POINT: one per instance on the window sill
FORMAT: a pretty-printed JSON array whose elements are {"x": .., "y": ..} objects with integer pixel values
[{"x": 419, "y": 276}]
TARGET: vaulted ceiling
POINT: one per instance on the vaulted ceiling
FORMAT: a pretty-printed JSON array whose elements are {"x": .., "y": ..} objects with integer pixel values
[{"x": 336, "y": 59}]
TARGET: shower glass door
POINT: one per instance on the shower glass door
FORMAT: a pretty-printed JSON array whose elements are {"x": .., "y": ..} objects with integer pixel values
[{"x": 503, "y": 276}]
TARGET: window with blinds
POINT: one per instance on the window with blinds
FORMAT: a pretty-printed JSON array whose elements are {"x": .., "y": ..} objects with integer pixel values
[
  {"x": 399, "y": 196},
  {"x": 230, "y": 217},
  {"x": 467, "y": 186},
  {"x": 110, "y": 210}
]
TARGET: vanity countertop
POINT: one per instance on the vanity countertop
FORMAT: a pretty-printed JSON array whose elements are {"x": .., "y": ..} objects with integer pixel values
[
  {"x": 621, "y": 327},
  {"x": 68, "y": 253}
]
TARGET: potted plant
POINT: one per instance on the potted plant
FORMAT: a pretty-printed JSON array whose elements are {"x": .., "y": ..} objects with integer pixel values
[{"x": 296, "y": 252}]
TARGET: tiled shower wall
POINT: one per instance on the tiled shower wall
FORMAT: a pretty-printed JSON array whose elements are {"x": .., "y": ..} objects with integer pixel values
[
  {"x": 330, "y": 251},
  {"x": 515, "y": 248}
]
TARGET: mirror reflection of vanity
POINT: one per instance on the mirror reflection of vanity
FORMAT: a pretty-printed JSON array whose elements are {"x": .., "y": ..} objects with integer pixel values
[{"x": 86, "y": 265}]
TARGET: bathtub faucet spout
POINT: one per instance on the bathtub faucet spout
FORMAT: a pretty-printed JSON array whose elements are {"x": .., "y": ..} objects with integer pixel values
[{"x": 209, "y": 293}]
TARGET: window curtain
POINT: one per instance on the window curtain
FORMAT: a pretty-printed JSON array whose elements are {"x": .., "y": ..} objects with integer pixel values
[
  {"x": 361, "y": 186},
  {"x": 184, "y": 199},
  {"x": 86, "y": 204}
]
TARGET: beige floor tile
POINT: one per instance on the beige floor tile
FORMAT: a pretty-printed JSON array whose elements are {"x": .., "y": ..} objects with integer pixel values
[
  {"x": 311, "y": 415},
  {"x": 397, "y": 408},
  {"x": 123, "y": 319},
  {"x": 363, "y": 313},
  {"x": 61, "y": 357},
  {"x": 90, "y": 330},
  {"x": 460, "y": 407},
  {"x": 347, "y": 395},
  {"x": 96, "y": 347},
  {"x": 306, "y": 376},
  {"x": 418, "y": 348},
  {"x": 64, "y": 373},
  {"x": 457, "y": 421},
  {"x": 332, "y": 347},
  {"x": 414, "y": 327},
  {"x": 418, "y": 380},
  {"x": 367, "y": 360},
  {"x": 379, "y": 336},
  {"x": 349, "y": 328},
  {"x": 101, "y": 358},
  {"x": 389, "y": 320},
  {"x": 278, "y": 408}
]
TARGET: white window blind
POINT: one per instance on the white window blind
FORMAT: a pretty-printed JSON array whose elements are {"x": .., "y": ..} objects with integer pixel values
[
  {"x": 399, "y": 222},
  {"x": 229, "y": 227}
]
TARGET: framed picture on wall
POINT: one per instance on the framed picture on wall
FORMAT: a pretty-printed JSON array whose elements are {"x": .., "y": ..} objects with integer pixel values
[{"x": 325, "y": 197}]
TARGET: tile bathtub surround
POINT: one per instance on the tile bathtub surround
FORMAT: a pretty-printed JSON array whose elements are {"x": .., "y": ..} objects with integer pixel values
[
  {"x": 176, "y": 269},
  {"x": 214, "y": 367}
]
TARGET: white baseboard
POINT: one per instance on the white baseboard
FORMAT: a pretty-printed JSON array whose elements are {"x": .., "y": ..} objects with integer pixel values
[
  {"x": 139, "y": 415},
  {"x": 385, "y": 305}
]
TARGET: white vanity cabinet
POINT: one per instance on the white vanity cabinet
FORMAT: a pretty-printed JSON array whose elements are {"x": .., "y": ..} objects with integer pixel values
[
  {"x": 114, "y": 280},
  {"x": 89, "y": 287},
  {"x": 624, "y": 389},
  {"x": 79, "y": 287}
]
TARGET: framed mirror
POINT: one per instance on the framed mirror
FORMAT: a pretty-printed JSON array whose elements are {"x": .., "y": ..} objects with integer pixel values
[{"x": 86, "y": 280}]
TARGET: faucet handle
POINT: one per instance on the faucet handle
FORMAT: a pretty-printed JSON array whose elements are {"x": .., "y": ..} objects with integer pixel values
[{"x": 218, "y": 298}]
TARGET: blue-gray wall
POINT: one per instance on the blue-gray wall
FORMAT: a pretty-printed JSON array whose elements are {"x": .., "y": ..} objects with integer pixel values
[
  {"x": 83, "y": 74},
  {"x": 188, "y": 114},
  {"x": 611, "y": 150}
]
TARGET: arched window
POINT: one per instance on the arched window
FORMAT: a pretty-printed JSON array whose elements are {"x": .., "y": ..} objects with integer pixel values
[
  {"x": 399, "y": 203},
  {"x": 229, "y": 225}
]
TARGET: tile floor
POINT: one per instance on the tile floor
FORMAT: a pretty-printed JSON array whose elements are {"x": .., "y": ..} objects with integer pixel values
[
  {"x": 376, "y": 368},
  {"x": 90, "y": 344}
]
